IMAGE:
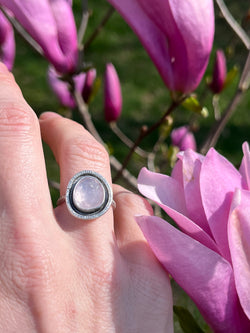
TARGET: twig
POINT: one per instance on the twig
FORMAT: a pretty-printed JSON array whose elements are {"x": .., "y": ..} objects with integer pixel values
[
  {"x": 23, "y": 33},
  {"x": 54, "y": 184},
  {"x": 98, "y": 29},
  {"x": 234, "y": 24},
  {"x": 84, "y": 23},
  {"x": 218, "y": 127},
  {"x": 129, "y": 143},
  {"x": 145, "y": 132},
  {"x": 83, "y": 109}
]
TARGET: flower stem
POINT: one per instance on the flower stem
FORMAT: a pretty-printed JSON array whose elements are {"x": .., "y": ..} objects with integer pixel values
[{"x": 145, "y": 132}]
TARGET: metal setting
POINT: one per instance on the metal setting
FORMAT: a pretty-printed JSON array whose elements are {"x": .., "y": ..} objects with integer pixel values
[{"x": 87, "y": 214}]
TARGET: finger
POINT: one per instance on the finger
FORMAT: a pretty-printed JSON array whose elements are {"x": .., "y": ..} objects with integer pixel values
[
  {"x": 76, "y": 150},
  {"x": 129, "y": 237},
  {"x": 23, "y": 182}
]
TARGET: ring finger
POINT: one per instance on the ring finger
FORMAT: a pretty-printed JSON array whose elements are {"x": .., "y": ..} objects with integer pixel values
[{"x": 76, "y": 150}]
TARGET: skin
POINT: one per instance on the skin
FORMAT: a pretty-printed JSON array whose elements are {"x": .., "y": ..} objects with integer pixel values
[{"x": 57, "y": 273}]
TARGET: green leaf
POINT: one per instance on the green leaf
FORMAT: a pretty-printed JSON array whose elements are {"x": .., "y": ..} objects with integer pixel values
[
  {"x": 186, "y": 320},
  {"x": 231, "y": 75},
  {"x": 192, "y": 104}
]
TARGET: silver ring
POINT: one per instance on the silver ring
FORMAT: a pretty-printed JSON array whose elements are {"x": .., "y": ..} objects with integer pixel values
[{"x": 88, "y": 195}]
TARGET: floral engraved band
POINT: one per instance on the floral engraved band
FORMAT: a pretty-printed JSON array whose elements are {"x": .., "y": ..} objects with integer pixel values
[{"x": 88, "y": 195}]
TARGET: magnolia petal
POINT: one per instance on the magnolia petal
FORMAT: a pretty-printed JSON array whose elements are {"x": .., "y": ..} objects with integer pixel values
[
  {"x": 239, "y": 236},
  {"x": 202, "y": 273},
  {"x": 37, "y": 19},
  {"x": 189, "y": 29},
  {"x": 66, "y": 30},
  {"x": 7, "y": 42},
  {"x": 191, "y": 164},
  {"x": 151, "y": 37},
  {"x": 162, "y": 189},
  {"x": 218, "y": 181},
  {"x": 245, "y": 167}
]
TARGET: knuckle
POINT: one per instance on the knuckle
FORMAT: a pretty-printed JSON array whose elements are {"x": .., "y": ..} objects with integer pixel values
[
  {"x": 17, "y": 118},
  {"x": 79, "y": 149}
]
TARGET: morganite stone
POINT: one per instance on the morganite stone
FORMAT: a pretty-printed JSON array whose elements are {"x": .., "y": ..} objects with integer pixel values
[{"x": 88, "y": 194}]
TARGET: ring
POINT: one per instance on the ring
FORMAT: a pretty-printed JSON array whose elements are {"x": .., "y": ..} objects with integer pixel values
[{"x": 88, "y": 195}]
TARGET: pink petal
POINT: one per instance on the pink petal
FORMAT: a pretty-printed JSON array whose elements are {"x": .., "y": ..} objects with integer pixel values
[
  {"x": 191, "y": 163},
  {"x": 202, "y": 273},
  {"x": 168, "y": 193},
  {"x": 7, "y": 42},
  {"x": 177, "y": 35},
  {"x": 218, "y": 181},
  {"x": 245, "y": 166},
  {"x": 162, "y": 189},
  {"x": 37, "y": 19},
  {"x": 66, "y": 30},
  {"x": 239, "y": 242}
]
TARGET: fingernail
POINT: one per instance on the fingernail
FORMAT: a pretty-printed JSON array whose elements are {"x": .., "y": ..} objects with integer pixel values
[
  {"x": 49, "y": 115},
  {"x": 3, "y": 68}
]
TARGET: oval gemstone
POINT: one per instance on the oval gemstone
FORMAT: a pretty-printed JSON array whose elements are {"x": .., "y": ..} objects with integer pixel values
[{"x": 88, "y": 194}]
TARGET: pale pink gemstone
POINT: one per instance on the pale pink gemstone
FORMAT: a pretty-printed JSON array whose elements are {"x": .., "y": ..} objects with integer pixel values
[{"x": 88, "y": 194}]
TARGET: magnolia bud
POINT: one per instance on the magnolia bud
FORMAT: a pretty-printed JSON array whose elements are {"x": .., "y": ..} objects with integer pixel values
[
  {"x": 219, "y": 73},
  {"x": 112, "y": 94},
  {"x": 183, "y": 139},
  {"x": 88, "y": 84}
]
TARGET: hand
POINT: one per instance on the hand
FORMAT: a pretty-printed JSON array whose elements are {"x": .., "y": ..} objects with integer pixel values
[{"x": 59, "y": 273}]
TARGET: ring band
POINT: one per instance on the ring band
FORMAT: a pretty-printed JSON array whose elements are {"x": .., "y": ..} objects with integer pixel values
[{"x": 88, "y": 195}]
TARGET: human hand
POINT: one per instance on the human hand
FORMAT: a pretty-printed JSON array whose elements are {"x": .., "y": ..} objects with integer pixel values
[{"x": 59, "y": 273}]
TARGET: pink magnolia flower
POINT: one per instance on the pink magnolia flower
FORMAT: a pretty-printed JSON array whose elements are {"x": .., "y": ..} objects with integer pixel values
[
  {"x": 112, "y": 94},
  {"x": 7, "y": 42},
  {"x": 177, "y": 34},
  {"x": 209, "y": 256},
  {"x": 51, "y": 24},
  {"x": 182, "y": 138},
  {"x": 61, "y": 88},
  {"x": 219, "y": 72}
]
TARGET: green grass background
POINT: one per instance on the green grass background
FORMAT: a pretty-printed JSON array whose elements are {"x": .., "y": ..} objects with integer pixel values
[{"x": 145, "y": 97}]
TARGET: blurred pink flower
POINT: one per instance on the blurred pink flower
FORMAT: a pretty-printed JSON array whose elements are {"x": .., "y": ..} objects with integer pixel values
[
  {"x": 112, "y": 94},
  {"x": 61, "y": 88},
  {"x": 178, "y": 35},
  {"x": 219, "y": 72},
  {"x": 209, "y": 256},
  {"x": 7, "y": 42},
  {"x": 51, "y": 24},
  {"x": 183, "y": 139}
]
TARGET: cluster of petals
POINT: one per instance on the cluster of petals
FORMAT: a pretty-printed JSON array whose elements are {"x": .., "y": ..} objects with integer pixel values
[
  {"x": 219, "y": 72},
  {"x": 7, "y": 42},
  {"x": 183, "y": 138},
  {"x": 112, "y": 94},
  {"x": 177, "y": 34},
  {"x": 209, "y": 255},
  {"x": 51, "y": 24},
  {"x": 83, "y": 85}
]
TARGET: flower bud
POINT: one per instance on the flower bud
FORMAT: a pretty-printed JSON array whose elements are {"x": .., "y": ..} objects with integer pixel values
[
  {"x": 51, "y": 24},
  {"x": 112, "y": 94},
  {"x": 219, "y": 73},
  {"x": 178, "y": 35},
  {"x": 61, "y": 88},
  {"x": 88, "y": 84},
  {"x": 7, "y": 42},
  {"x": 183, "y": 139}
]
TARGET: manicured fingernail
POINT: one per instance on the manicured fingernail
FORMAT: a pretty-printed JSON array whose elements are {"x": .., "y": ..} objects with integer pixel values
[
  {"x": 3, "y": 68},
  {"x": 49, "y": 115}
]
